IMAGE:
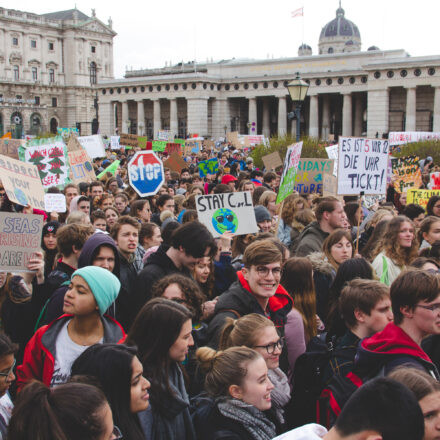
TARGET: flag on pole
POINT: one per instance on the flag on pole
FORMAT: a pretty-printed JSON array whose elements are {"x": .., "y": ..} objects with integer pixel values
[{"x": 298, "y": 12}]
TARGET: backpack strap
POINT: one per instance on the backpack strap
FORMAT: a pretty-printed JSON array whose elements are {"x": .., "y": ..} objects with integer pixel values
[{"x": 234, "y": 312}]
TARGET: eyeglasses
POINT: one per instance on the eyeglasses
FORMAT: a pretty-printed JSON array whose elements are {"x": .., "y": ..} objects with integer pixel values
[
  {"x": 432, "y": 307},
  {"x": 264, "y": 271},
  {"x": 270, "y": 348},
  {"x": 116, "y": 434},
  {"x": 6, "y": 375}
]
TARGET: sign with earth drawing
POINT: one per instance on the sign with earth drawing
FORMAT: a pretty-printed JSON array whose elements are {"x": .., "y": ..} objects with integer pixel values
[{"x": 227, "y": 212}]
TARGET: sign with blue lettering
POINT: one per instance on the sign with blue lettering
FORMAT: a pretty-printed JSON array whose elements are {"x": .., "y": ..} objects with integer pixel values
[
  {"x": 208, "y": 167},
  {"x": 145, "y": 173}
]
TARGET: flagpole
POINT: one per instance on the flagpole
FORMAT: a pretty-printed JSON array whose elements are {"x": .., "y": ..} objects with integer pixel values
[{"x": 302, "y": 42}]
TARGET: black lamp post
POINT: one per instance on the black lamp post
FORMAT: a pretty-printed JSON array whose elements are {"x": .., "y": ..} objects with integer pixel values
[{"x": 298, "y": 91}]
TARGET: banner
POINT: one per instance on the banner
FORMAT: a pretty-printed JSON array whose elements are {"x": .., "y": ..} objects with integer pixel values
[
  {"x": 22, "y": 182},
  {"x": 208, "y": 167},
  {"x": 227, "y": 212},
  {"x": 9, "y": 147},
  {"x": 290, "y": 167},
  {"x": 406, "y": 173},
  {"x": 93, "y": 145},
  {"x": 164, "y": 135},
  {"x": 20, "y": 238},
  {"x": 362, "y": 166},
  {"x": 310, "y": 175},
  {"x": 420, "y": 196},
  {"x": 50, "y": 157},
  {"x": 406, "y": 137},
  {"x": 54, "y": 202},
  {"x": 272, "y": 161}
]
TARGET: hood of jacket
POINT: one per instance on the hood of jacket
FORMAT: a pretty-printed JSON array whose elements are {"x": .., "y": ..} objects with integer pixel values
[
  {"x": 321, "y": 264},
  {"x": 91, "y": 248},
  {"x": 297, "y": 225},
  {"x": 161, "y": 259},
  {"x": 314, "y": 229}
]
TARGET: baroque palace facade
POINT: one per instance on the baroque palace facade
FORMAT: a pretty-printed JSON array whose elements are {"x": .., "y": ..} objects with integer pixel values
[
  {"x": 352, "y": 92},
  {"x": 49, "y": 68}
]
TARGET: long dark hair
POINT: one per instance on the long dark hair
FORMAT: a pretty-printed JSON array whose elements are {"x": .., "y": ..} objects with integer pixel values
[
  {"x": 154, "y": 331},
  {"x": 111, "y": 365},
  {"x": 72, "y": 411},
  {"x": 347, "y": 271}
]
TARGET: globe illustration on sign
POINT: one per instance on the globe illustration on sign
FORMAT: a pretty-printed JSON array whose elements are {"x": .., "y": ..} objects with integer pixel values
[
  {"x": 224, "y": 220},
  {"x": 20, "y": 196},
  {"x": 88, "y": 166}
]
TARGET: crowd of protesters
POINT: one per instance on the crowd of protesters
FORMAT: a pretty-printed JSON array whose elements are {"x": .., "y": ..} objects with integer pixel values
[{"x": 134, "y": 322}]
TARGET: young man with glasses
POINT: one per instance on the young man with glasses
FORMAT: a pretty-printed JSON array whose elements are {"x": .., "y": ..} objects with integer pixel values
[
  {"x": 257, "y": 290},
  {"x": 415, "y": 299}
]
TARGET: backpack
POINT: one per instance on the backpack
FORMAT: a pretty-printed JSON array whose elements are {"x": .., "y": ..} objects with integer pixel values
[{"x": 313, "y": 369}]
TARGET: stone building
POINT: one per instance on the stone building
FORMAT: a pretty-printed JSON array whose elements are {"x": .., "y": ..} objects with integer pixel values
[
  {"x": 352, "y": 92},
  {"x": 49, "y": 67}
]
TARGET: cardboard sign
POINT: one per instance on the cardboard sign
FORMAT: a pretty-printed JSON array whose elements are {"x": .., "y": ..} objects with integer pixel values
[
  {"x": 50, "y": 157},
  {"x": 81, "y": 167},
  {"x": 228, "y": 212},
  {"x": 406, "y": 173},
  {"x": 406, "y": 137},
  {"x": 175, "y": 163},
  {"x": 20, "y": 238},
  {"x": 93, "y": 145},
  {"x": 206, "y": 167},
  {"x": 369, "y": 201},
  {"x": 420, "y": 196},
  {"x": 173, "y": 148},
  {"x": 310, "y": 175},
  {"x": 54, "y": 202},
  {"x": 164, "y": 135},
  {"x": 208, "y": 144},
  {"x": 232, "y": 138},
  {"x": 333, "y": 153},
  {"x": 362, "y": 166},
  {"x": 130, "y": 140},
  {"x": 290, "y": 167},
  {"x": 159, "y": 145},
  {"x": 67, "y": 131},
  {"x": 434, "y": 180},
  {"x": 114, "y": 142},
  {"x": 192, "y": 146},
  {"x": 329, "y": 185},
  {"x": 272, "y": 161},
  {"x": 22, "y": 182},
  {"x": 9, "y": 147}
]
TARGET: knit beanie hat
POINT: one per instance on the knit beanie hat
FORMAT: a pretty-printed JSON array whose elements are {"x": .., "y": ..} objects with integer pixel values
[
  {"x": 261, "y": 214},
  {"x": 103, "y": 284}
]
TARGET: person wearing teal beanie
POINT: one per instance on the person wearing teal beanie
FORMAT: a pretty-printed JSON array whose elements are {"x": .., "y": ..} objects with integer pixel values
[{"x": 52, "y": 350}]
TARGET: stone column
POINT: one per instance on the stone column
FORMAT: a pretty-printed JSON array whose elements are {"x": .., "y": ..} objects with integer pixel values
[
  {"x": 314, "y": 117},
  {"x": 358, "y": 115},
  {"x": 197, "y": 114},
  {"x": 410, "y": 124},
  {"x": 125, "y": 126},
  {"x": 220, "y": 118},
  {"x": 140, "y": 118},
  {"x": 378, "y": 112},
  {"x": 156, "y": 117},
  {"x": 174, "y": 126},
  {"x": 252, "y": 116},
  {"x": 282, "y": 116},
  {"x": 106, "y": 114},
  {"x": 347, "y": 121},
  {"x": 266, "y": 120},
  {"x": 325, "y": 117},
  {"x": 436, "y": 121}
]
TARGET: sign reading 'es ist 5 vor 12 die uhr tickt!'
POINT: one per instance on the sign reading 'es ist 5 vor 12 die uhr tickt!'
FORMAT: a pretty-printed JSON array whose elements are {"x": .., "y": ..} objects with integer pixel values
[{"x": 362, "y": 166}]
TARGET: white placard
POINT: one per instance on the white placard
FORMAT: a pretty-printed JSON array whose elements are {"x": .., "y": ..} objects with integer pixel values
[
  {"x": 363, "y": 165},
  {"x": 93, "y": 145},
  {"x": 54, "y": 202},
  {"x": 163, "y": 135},
  {"x": 114, "y": 142},
  {"x": 232, "y": 212},
  {"x": 333, "y": 153}
]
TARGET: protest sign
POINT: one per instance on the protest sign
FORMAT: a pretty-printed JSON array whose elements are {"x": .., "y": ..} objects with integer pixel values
[
  {"x": 232, "y": 138},
  {"x": 7, "y": 135},
  {"x": 175, "y": 162},
  {"x": 159, "y": 145},
  {"x": 407, "y": 137},
  {"x": 272, "y": 161},
  {"x": 310, "y": 175},
  {"x": 93, "y": 145},
  {"x": 370, "y": 201},
  {"x": 9, "y": 147},
  {"x": 173, "y": 148},
  {"x": 54, "y": 202},
  {"x": 67, "y": 131},
  {"x": 434, "y": 180},
  {"x": 406, "y": 173},
  {"x": 290, "y": 167},
  {"x": 20, "y": 238},
  {"x": 164, "y": 135},
  {"x": 253, "y": 139},
  {"x": 114, "y": 142},
  {"x": 192, "y": 146},
  {"x": 208, "y": 167},
  {"x": 81, "y": 167},
  {"x": 208, "y": 144},
  {"x": 110, "y": 169},
  {"x": 329, "y": 185},
  {"x": 129, "y": 140},
  {"x": 420, "y": 196},
  {"x": 362, "y": 166},
  {"x": 50, "y": 157},
  {"x": 227, "y": 212},
  {"x": 22, "y": 182},
  {"x": 333, "y": 153}
]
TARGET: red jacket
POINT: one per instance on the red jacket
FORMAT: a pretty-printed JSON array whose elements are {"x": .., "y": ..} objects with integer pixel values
[{"x": 39, "y": 355}]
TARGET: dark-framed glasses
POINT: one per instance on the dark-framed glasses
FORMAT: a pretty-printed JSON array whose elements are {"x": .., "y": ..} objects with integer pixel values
[
  {"x": 270, "y": 348},
  {"x": 264, "y": 271}
]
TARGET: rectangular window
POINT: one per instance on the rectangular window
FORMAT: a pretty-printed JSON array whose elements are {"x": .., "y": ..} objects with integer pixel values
[
  {"x": 16, "y": 73},
  {"x": 37, "y": 100},
  {"x": 34, "y": 74},
  {"x": 51, "y": 46},
  {"x": 33, "y": 44},
  {"x": 51, "y": 75},
  {"x": 15, "y": 41},
  {"x": 18, "y": 97},
  {"x": 93, "y": 49},
  {"x": 54, "y": 102}
]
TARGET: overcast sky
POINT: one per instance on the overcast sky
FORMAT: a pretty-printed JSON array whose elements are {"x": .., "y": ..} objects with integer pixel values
[{"x": 151, "y": 33}]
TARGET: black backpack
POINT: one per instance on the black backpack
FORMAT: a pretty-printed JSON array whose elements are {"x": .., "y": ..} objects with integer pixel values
[{"x": 313, "y": 370}]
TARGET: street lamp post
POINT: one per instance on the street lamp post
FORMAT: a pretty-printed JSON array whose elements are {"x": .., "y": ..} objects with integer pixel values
[{"x": 298, "y": 91}]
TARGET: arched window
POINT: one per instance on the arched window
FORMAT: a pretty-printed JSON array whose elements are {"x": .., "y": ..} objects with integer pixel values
[
  {"x": 35, "y": 123},
  {"x": 53, "y": 125},
  {"x": 92, "y": 73},
  {"x": 51, "y": 75},
  {"x": 16, "y": 73},
  {"x": 330, "y": 50}
]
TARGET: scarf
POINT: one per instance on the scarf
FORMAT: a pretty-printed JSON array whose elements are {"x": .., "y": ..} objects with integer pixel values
[
  {"x": 281, "y": 393},
  {"x": 251, "y": 418}
]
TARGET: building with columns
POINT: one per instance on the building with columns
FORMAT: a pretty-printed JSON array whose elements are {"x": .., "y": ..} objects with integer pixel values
[
  {"x": 352, "y": 92},
  {"x": 49, "y": 67}
]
